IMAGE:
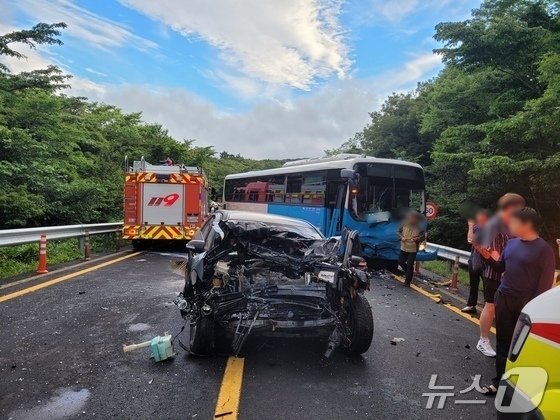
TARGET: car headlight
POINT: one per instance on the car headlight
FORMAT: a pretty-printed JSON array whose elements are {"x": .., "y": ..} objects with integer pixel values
[{"x": 520, "y": 334}]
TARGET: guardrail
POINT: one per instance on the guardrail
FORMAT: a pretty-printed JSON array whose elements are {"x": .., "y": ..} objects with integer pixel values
[
  {"x": 450, "y": 254},
  {"x": 454, "y": 256},
  {"x": 10, "y": 237}
]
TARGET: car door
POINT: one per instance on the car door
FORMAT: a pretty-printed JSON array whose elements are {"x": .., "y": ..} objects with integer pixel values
[{"x": 195, "y": 264}]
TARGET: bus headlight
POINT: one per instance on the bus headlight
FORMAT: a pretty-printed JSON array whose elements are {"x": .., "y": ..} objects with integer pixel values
[{"x": 520, "y": 334}]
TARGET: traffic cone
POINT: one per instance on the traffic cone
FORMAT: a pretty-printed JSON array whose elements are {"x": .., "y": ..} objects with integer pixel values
[{"x": 42, "y": 255}]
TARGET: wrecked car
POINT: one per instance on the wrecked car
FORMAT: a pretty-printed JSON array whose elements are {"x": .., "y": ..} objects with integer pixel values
[{"x": 253, "y": 273}]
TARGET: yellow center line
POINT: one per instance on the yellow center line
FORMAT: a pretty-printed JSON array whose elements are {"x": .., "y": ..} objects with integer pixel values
[
  {"x": 64, "y": 278},
  {"x": 437, "y": 298},
  {"x": 227, "y": 406}
]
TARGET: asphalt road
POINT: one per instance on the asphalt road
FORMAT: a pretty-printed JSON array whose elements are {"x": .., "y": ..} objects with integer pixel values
[{"x": 61, "y": 357}]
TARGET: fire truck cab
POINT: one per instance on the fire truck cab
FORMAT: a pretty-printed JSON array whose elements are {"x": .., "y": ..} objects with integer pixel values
[{"x": 163, "y": 202}]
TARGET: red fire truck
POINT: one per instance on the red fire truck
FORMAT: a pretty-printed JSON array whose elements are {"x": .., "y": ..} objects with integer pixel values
[{"x": 163, "y": 202}]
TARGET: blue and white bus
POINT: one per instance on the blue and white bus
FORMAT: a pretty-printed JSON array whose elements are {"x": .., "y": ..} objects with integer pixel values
[{"x": 366, "y": 194}]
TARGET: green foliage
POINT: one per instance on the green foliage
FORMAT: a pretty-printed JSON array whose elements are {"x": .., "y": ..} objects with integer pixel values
[
  {"x": 50, "y": 78},
  {"x": 20, "y": 259},
  {"x": 61, "y": 157},
  {"x": 441, "y": 268},
  {"x": 489, "y": 123}
]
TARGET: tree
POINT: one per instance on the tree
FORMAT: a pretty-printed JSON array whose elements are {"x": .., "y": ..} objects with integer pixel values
[
  {"x": 50, "y": 78},
  {"x": 489, "y": 123}
]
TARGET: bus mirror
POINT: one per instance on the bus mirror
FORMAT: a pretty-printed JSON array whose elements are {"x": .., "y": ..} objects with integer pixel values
[{"x": 347, "y": 174}]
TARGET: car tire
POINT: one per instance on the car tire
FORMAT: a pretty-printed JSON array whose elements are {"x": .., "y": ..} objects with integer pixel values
[
  {"x": 202, "y": 336},
  {"x": 361, "y": 325}
]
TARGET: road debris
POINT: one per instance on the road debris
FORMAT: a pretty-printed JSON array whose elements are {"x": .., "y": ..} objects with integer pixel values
[
  {"x": 160, "y": 346},
  {"x": 396, "y": 340}
]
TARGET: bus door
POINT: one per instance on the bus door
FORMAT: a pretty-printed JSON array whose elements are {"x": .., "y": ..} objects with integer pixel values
[{"x": 335, "y": 199}]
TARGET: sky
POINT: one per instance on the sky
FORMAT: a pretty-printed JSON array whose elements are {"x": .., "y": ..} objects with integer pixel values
[{"x": 263, "y": 78}]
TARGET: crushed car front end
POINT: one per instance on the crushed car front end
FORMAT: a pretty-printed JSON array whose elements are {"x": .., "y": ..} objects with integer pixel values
[{"x": 271, "y": 275}]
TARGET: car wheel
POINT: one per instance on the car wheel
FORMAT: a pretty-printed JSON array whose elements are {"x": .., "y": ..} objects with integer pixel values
[
  {"x": 202, "y": 335},
  {"x": 361, "y": 325}
]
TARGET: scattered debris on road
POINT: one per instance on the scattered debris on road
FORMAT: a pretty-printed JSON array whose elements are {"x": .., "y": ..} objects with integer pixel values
[
  {"x": 396, "y": 340},
  {"x": 160, "y": 346}
]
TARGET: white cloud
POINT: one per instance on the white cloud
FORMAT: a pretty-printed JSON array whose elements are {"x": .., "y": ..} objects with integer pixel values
[
  {"x": 98, "y": 31},
  {"x": 395, "y": 11},
  {"x": 304, "y": 126},
  {"x": 413, "y": 71},
  {"x": 97, "y": 73},
  {"x": 301, "y": 126},
  {"x": 296, "y": 126},
  {"x": 288, "y": 42}
]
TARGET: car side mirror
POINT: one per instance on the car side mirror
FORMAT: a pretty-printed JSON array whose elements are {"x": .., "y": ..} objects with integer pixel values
[
  {"x": 358, "y": 262},
  {"x": 196, "y": 245}
]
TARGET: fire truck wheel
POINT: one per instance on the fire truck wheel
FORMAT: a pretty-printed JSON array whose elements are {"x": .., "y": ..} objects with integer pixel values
[{"x": 139, "y": 245}]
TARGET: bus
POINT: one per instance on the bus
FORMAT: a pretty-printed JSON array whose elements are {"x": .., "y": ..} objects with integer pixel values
[{"x": 357, "y": 192}]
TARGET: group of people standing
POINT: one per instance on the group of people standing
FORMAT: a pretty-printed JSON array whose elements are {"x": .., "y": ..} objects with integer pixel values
[{"x": 515, "y": 265}]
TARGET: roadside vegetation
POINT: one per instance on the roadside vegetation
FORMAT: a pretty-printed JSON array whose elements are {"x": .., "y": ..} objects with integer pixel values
[
  {"x": 441, "y": 268},
  {"x": 15, "y": 260},
  {"x": 487, "y": 124}
]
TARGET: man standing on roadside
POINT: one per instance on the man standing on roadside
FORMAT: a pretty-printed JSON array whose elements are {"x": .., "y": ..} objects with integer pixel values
[
  {"x": 495, "y": 237},
  {"x": 528, "y": 264},
  {"x": 476, "y": 267},
  {"x": 412, "y": 234}
]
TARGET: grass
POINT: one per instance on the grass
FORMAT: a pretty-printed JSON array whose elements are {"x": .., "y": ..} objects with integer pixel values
[
  {"x": 441, "y": 268},
  {"x": 22, "y": 259}
]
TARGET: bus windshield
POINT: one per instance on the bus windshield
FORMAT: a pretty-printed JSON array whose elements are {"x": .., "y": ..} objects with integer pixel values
[{"x": 387, "y": 187}]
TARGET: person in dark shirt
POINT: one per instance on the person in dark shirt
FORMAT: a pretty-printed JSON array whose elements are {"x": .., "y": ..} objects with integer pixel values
[
  {"x": 476, "y": 228},
  {"x": 528, "y": 264},
  {"x": 495, "y": 236}
]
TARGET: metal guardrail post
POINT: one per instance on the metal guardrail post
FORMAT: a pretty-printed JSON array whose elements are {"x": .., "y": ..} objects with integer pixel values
[
  {"x": 87, "y": 249},
  {"x": 118, "y": 240},
  {"x": 42, "y": 268}
]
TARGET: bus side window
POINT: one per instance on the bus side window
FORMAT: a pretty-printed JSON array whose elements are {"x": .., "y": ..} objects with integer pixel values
[{"x": 293, "y": 189}]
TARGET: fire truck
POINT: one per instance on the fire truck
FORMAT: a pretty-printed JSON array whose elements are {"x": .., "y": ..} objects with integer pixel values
[{"x": 163, "y": 202}]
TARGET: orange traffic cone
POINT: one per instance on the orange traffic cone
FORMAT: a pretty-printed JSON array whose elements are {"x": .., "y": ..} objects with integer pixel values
[{"x": 42, "y": 255}]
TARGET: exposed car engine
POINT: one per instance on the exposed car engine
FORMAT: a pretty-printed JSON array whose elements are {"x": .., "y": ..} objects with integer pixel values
[{"x": 276, "y": 280}]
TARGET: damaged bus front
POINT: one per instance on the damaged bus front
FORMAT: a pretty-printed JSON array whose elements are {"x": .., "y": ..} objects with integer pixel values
[{"x": 256, "y": 273}]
